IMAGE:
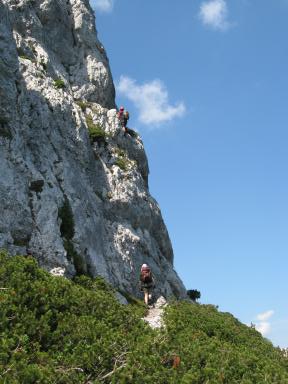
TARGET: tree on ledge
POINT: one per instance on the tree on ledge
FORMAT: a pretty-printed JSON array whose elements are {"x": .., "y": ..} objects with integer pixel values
[{"x": 193, "y": 294}]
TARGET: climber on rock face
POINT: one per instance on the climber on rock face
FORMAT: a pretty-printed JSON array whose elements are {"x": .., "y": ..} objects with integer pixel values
[
  {"x": 147, "y": 282},
  {"x": 123, "y": 116}
]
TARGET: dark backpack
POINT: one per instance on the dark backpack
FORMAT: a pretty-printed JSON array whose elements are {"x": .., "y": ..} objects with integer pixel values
[{"x": 146, "y": 275}]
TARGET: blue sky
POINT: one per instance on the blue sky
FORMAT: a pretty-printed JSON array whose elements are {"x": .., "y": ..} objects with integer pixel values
[{"x": 206, "y": 85}]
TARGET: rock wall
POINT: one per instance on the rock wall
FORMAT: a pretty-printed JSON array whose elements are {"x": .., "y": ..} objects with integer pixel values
[{"x": 73, "y": 189}]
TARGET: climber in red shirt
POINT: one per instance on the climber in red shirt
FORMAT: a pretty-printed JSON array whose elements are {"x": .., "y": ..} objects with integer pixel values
[{"x": 123, "y": 116}]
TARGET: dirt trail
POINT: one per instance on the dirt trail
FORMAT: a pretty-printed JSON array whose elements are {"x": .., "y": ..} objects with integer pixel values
[{"x": 154, "y": 316}]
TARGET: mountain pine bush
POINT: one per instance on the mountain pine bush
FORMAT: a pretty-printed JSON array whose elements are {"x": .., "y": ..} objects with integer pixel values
[{"x": 53, "y": 330}]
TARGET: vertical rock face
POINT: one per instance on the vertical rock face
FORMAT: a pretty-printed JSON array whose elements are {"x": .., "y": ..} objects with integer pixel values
[{"x": 73, "y": 189}]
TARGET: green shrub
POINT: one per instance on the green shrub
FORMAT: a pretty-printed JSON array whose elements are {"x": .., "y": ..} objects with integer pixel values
[
  {"x": 53, "y": 330},
  {"x": 82, "y": 104},
  {"x": 213, "y": 345},
  {"x": 67, "y": 229},
  {"x": 59, "y": 83},
  {"x": 78, "y": 261},
  {"x": 120, "y": 152},
  {"x": 96, "y": 133},
  {"x": 122, "y": 163},
  {"x": 122, "y": 160},
  {"x": 193, "y": 294},
  {"x": 67, "y": 220}
]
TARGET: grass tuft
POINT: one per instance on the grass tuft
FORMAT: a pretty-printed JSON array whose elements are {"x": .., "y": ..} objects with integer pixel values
[
  {"x": 96, "y": 133},
  {"x": 82, "y": 104},
  {"x": 59, "y": 83}
]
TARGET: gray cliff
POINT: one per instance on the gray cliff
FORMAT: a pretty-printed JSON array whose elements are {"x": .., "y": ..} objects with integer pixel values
[{"x": 71, "y": 201}]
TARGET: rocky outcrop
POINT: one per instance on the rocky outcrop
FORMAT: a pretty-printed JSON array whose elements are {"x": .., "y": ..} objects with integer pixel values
[{"x": 73, "y": 189}]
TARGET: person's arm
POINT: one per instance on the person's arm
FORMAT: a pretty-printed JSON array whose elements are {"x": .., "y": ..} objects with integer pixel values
[{"x": 140, "y": 283}]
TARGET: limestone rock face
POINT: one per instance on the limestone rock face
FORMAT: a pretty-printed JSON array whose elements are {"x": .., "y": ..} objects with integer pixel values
[{"x": 70, "y": 199}]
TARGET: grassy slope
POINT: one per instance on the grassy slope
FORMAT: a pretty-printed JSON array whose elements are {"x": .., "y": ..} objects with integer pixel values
[{"x": 58, "y": 331}]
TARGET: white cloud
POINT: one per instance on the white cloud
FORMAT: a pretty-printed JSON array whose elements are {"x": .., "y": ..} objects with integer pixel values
[
  {"x": 214, "y": 13},
  {"x": 265, "y": 315},
  {"x": 151, "y": 99},
  {"x": 264, "y": 326},
  {"x": 102, "y": 5}
]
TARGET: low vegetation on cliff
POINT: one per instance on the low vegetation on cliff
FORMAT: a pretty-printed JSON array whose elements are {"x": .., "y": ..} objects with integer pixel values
[{"x": 54, "y": 330}]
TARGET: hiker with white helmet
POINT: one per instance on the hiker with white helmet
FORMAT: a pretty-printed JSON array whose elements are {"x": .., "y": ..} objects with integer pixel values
[{"x": 147, "y": 282}]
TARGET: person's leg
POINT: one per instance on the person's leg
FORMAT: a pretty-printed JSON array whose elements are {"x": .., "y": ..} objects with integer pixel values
[{"x": 146, "y": 296}]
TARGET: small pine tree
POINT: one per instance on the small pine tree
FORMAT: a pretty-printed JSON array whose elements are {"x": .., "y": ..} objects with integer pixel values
[{"x": 193, "y": 294}]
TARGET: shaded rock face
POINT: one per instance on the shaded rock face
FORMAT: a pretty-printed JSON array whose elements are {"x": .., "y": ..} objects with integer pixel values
[{"x": 72, "y": 200}]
